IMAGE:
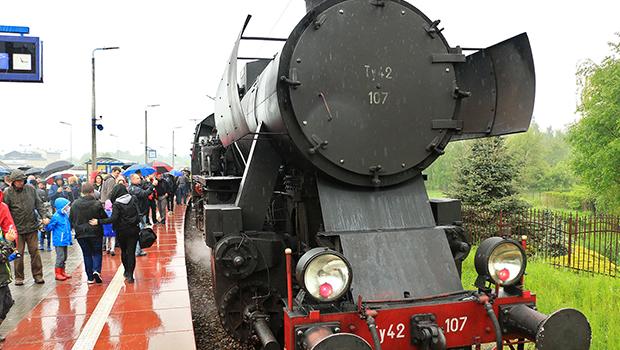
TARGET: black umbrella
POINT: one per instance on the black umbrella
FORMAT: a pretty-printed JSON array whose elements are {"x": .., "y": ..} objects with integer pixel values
[
  {"x": 60, "y": 165},
  {"x": 33, "y": 171}
]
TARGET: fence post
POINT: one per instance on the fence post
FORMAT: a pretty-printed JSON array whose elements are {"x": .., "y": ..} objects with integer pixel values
[
  {"x": 570, "y": 239},
  {"x": 580, "y": 264}
]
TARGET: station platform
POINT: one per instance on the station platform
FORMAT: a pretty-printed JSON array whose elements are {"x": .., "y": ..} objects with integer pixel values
[{"x": 152, "y": 313}]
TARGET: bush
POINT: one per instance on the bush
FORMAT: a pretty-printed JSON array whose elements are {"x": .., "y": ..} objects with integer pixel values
[{"x": 577, "y": 199}]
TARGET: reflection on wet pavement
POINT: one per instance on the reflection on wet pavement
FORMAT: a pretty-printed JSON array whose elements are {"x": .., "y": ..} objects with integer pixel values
[{"x": 152, "y": 313}]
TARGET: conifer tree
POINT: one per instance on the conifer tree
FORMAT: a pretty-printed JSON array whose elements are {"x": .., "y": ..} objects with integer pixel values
[{"x": 486, "y": 177}]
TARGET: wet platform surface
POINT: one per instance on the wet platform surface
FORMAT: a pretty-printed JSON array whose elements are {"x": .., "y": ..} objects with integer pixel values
[{"x": 152, "y": 313}]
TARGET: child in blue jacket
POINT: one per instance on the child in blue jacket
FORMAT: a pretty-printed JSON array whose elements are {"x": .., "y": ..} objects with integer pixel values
[
  {"x": 60, "y": 227},
  {"x": 108, "y": 231}
]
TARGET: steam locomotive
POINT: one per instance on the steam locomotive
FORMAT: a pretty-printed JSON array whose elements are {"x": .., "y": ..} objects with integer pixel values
[{"x": 308, "y": 184}]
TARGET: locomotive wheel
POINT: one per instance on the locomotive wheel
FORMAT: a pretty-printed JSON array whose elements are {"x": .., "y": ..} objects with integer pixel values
[{"x": 244, "y": 299}]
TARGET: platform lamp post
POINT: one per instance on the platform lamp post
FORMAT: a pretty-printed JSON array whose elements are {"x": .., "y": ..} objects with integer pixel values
[
  {"x": 146, "y": 132},
  {"x": 70, "y": 139},
  {"x": 173, "y": 155},
  {"x": 93, "y": 155}
]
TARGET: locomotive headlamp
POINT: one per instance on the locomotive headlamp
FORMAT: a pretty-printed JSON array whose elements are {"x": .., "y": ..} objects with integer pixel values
[
  {"x": 500, "y": 261},
  {"x": 324, "y": 273}
]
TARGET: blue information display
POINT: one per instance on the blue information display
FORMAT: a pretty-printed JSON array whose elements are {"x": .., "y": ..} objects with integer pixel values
[{"x": 20, "y": 59}]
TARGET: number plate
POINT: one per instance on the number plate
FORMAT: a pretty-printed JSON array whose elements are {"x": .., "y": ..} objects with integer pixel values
[
  {"x": 393, "y": 331},
  {"x": 397, "y": 332}
]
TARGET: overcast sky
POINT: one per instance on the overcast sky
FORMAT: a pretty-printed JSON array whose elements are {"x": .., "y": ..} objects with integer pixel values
[{"x": 173, "y": 53}]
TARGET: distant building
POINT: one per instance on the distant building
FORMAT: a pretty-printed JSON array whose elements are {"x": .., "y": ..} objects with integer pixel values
[{"x": 15, "y": 159}]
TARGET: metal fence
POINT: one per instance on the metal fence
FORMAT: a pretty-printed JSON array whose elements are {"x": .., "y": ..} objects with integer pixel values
[{"x": 588, "y": 243}]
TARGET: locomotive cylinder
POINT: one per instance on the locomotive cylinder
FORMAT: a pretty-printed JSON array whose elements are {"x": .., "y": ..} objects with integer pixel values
[{"x": 266, "y": 337}]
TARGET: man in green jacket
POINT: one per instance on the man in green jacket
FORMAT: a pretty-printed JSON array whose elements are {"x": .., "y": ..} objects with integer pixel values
[{"x": 23, "y": 200}]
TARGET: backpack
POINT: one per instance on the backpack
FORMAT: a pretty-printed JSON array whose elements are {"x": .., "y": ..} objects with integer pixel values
[{"x": 147, "y": 237}]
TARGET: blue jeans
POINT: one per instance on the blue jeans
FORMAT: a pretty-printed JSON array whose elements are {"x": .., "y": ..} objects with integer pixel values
[
  {"x": 61, "y": 256},
  {"x": 91, "y": 250},
  {"x": 181, "y": 194}
]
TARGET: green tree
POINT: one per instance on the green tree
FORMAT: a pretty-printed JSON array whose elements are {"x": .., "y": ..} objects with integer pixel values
[
  {"x": 442, "y": 173},
  {"x": 596, "y": 136},
  {"x": 542, "y": 157},
  {"x": 486, "y": 176}
]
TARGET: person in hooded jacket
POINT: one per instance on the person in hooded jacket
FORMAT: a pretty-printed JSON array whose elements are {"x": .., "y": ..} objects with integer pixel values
[
  {"x": 125, "y": 220},
  {"x": 58, "y": 189},
  {"x": 23, "y": 203},
  {"x": 60, "y": 227},
  {"x": 90, "y": 238}
]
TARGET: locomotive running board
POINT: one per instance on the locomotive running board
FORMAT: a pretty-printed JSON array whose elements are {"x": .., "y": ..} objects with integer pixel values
[{"x": 389, "y": 237}]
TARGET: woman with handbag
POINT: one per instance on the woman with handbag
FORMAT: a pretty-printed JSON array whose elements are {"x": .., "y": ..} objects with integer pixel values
[{"x": 125, "y": 220}]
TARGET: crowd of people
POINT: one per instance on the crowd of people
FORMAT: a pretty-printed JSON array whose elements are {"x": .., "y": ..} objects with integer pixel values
[{"x": 101, "y": 215}]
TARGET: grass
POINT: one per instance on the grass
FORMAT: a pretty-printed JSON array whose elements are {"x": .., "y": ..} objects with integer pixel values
[
  {"x": 598, "y": 297},
  {"x": 536, "y": 200},
  {"x": 435, "y": 194}
]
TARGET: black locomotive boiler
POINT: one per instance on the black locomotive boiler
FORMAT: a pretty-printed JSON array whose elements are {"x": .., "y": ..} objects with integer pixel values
[{"x": 308, "y": 182}]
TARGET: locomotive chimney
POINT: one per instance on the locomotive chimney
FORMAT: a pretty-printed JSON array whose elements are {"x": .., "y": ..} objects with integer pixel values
[{"x": 310, "y": 4}]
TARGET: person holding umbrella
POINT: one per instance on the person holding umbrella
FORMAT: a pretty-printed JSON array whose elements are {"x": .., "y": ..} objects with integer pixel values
[
  {"x": 23, "y": 201},
  {"x": 141, "y": 190}
]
